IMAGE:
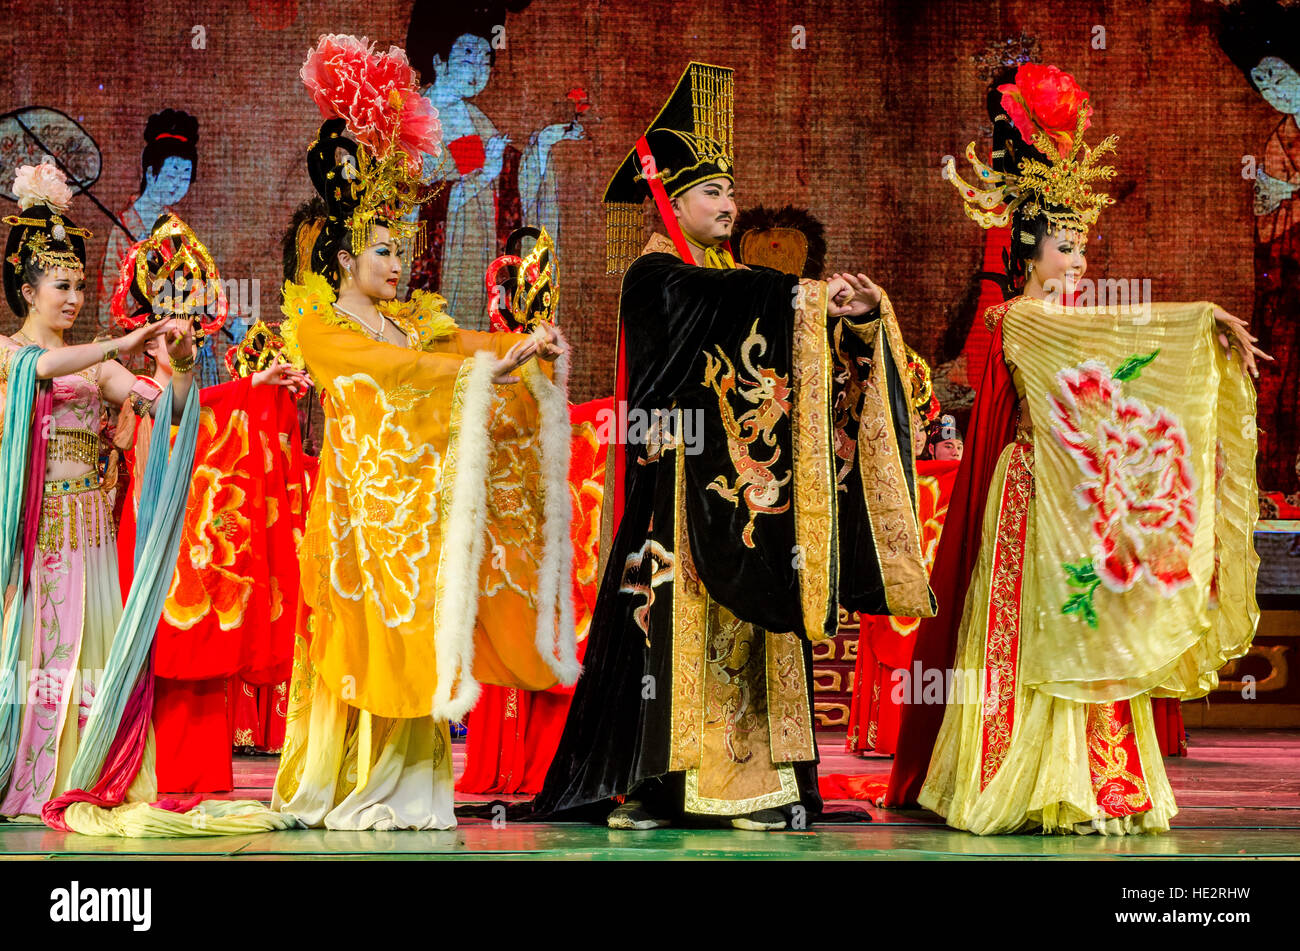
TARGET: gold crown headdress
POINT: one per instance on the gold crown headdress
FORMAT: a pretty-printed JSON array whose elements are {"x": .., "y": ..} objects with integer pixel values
[
  {"x": 537, "y": 289},
  {"x": 536, "y": 292},
  {"x": 260, "y": 348},
  {"x": 171, "y": 258},
  {"x": 1059, "y": 186},
  {"x": 39, "y": 246}
]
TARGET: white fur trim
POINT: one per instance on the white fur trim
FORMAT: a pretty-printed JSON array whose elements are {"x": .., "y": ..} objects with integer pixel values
[
  {"x": 556, "y": 639},
  {"x": 461, "y": 554}
]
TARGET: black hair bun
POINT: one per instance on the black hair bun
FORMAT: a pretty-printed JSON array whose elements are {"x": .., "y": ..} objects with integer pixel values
[{"x": 172, "y": 125}]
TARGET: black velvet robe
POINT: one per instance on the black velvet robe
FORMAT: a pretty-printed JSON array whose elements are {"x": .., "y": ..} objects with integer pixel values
[{"x": 688, "y": 332}]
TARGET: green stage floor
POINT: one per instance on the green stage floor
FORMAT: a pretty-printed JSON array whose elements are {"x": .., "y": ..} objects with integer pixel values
[{"x": 1238, "y": 793}]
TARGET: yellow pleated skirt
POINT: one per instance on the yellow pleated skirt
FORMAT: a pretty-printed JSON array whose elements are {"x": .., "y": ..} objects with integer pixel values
[{"x": 1010, "y": 758}]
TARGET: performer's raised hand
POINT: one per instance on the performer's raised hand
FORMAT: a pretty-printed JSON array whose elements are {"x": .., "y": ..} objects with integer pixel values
[
  {"x": 1232, "y": 331},
  {"x": 284, "y": 374},
  {"x": 550, "y": 342},
  {"x": 180, "y": 343},
  {"x": 852, "y": 295},
  {"x": 136, "y": 341},
  {"x": 514, "y": 358}
]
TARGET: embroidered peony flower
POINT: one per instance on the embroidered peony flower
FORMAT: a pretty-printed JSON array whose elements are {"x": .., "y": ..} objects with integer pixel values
[
  {"x": 1137, "y": 480},
  {"x": 42, "y": 184},
  {"x": 215, "y": 573},
  {"x": 44, "y": 688},
  {"x": 376, "y": 94},
  {"x": 1045, "y": 99},
  {"x": 380, "y": 503},
  {"x": 586, "y": 490}
]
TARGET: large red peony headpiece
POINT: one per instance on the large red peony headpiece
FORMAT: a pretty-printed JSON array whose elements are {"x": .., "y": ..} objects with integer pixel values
[
  {"x": 376, "y": 96},
  {"x": 1048, "y": 100},
  {"x": 1050, "y": 110}
]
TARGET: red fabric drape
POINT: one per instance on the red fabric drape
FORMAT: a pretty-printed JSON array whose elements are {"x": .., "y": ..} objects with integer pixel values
[
  {"x": 886, "y": 644},
  {"x": 513, "y": 734},
  {"x": 992, "y": 427}
]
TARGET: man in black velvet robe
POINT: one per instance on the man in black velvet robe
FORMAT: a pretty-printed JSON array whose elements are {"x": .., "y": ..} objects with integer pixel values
[{"x": 774, "y": 482}]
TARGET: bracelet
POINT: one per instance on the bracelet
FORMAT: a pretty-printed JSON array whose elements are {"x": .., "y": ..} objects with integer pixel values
[
  {"x": 184, "y": 364},
  {"x": 110, "y": 353}
]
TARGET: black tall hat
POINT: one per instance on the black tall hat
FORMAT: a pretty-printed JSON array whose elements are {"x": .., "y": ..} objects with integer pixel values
[
  {"x": 45, "y": 234},
  {"x": 691, "y": 141}
]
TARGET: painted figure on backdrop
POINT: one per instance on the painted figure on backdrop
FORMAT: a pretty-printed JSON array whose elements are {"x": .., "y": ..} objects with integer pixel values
[
  {"x": 78, "y": 744},
  {"x": 1263, "y": 40},
  {"x": 494, "y": 184},
  {"x": 437, "y": 439},
  {"x": 733, "y": 526},
  {"x": 168, "y": 167},
  {"x": 1100, "y": 530}
]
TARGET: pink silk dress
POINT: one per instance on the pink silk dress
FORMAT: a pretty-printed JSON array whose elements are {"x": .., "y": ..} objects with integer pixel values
[{"x": 72, "y": 606}]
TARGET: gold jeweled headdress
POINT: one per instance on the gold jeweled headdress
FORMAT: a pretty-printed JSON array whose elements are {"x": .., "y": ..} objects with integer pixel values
[
  {"x": 375, "y": 98},
  {"x": 261, "y": 348},
  {"x": 171, "y": 258},
  {"x": 536, "y": 279},
  {"x": 42, "y": 230}
]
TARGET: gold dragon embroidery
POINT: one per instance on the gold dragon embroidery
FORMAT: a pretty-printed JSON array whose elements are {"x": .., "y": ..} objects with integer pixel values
[{"x": 769, "y": 393}]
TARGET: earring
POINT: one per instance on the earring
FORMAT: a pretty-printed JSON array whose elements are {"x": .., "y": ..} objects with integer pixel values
[{"x": 1029, "y": 270}]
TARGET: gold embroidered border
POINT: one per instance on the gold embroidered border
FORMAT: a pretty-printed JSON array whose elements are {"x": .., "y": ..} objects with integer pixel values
[
  {"x": 695, "y": 803},
  {"x": 690, "y": 631},
  {"x": 1112, "y": 745},
  {"x": 789, "y": 719},
  {"x": 814, "y": 471},
  {"x": 895, "y": 532}
]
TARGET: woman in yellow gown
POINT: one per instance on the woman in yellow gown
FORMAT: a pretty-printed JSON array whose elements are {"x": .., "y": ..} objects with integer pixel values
[
  {"x": 443, "y": 476},
  {"x": 1111, "y": 559}
]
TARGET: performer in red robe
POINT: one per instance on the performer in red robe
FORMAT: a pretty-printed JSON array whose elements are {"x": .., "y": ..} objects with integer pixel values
[{"x": 885, "y": 643}]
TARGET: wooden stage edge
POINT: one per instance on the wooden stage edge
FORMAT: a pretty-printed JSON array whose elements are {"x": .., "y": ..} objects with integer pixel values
[{"x": 1238, "y": 796}]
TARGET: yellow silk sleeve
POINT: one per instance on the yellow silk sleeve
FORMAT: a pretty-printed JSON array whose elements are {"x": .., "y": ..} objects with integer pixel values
[
  {"x": 1143, "y": 575},
  {"x": 401, "y": 521}
]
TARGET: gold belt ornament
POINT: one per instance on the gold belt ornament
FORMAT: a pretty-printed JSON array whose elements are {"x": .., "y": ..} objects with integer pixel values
[
  {"x": 72, "y": 486},
  {"x": 74, "y": 445},
  {"x": 61, "y": 512}
]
